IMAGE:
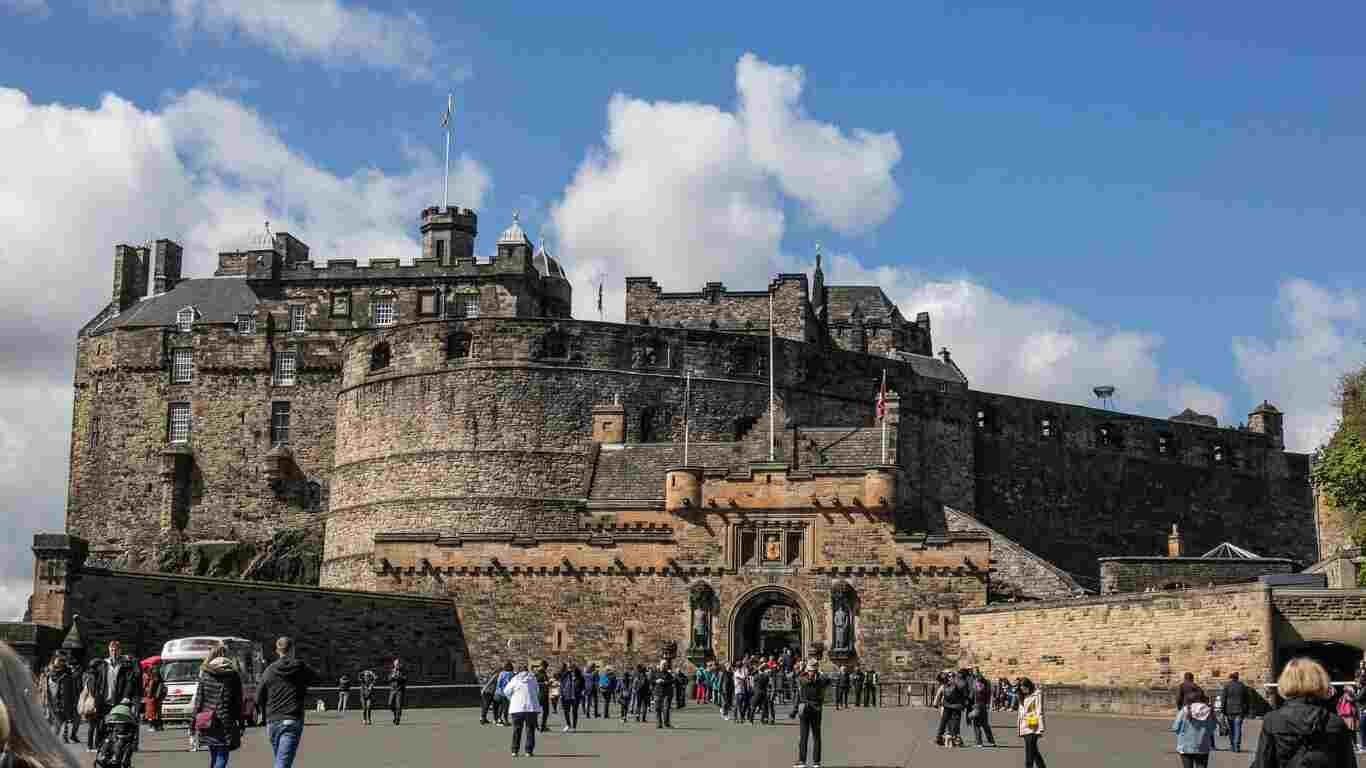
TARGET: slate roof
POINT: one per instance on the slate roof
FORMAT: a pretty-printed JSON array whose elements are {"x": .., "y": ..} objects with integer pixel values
[
  {"x": 216, "y": 299},
  {"x": 876, "y": 307},
  {"x": 930, "y": 367}
]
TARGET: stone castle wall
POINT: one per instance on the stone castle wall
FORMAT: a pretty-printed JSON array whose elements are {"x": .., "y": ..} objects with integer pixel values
[
  {"x": 1127, "y": 642},
  {"x": 1073, "y": 499},
  {"x": 1140, "y": 574},
  {"x": 737, "y": 311}
]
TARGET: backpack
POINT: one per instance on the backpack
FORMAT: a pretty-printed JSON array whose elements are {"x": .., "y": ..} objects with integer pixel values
[{"x": 1345, "y": 708}]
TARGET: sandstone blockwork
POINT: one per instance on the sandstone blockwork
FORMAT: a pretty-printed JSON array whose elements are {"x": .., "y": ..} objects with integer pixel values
[{"x": 698, "y": 474}]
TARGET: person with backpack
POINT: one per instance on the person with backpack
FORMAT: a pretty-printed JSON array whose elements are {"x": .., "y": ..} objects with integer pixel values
[
  {"x": 1304, "y": 732},
  {"x": 500, "y": 699},
  {"x": 1194, "y": 728},
  {"x": 218, "y": 710},
  {"x": 1347, "y": 710},
  {"x": 1234, "y": 700},
  {"x": 1029, "y": 722}
]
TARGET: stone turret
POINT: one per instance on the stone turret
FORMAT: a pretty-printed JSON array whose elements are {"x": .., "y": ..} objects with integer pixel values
[
  {"x": 448, "y": 235},
  {"x": 1265, "y": 419}
]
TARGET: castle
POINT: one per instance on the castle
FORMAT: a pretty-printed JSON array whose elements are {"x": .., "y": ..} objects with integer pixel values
[{"x": 447, "y": 431}]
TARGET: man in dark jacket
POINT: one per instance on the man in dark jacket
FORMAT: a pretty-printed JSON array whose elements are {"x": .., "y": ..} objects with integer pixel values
[
  {"x": 811, "y": 687},
  {"x": 398, "y": 690},
  {"x": 280, "y": 696},
  {"x": 61, "y": 699},
  {"x": 856, "y": 685},
  {"x": 1234, "y": 697},
  {"x": 590, "y": 691},
  {"x": 1189, "y": 692},
  {"x": 121, "y": 682},
  {"x": 543, "y": 690},
  {"x": 662, "y": 686}
]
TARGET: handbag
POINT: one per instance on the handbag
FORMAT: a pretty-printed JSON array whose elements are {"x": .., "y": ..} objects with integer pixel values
[{"x": 85, "y": 705}]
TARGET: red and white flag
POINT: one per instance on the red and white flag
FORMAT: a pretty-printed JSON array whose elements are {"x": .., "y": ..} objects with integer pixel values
[{"x": 882, "y": 397}]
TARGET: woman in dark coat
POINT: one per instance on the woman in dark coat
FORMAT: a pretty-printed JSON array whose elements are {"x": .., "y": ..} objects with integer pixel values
[
  {"x": 1304, "y": 731},
  {"x": 218, "y": 707}
]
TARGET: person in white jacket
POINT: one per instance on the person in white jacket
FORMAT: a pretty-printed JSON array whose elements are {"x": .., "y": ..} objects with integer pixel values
[{"x": 524, "y": 704}]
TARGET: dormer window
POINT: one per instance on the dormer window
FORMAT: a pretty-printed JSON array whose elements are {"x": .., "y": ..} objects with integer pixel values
[{"x": 184, "y": 320}]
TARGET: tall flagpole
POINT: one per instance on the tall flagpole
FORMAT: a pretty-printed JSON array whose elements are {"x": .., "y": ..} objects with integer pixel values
[
  {"x": 772, "y": 416},
  {"x": 450, "y": 109},
  {"x": 882, "y": 405},
  {"x": 687, "y": 413}
]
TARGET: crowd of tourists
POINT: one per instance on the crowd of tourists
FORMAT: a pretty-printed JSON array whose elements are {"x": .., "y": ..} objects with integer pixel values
[{"x": 1310, "y": 721}]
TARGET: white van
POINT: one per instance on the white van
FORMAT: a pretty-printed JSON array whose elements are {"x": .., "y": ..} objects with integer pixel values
[{"x": 180, "y": 663}]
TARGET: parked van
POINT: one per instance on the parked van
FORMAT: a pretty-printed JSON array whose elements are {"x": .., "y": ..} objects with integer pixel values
[{"x": 180, "y": 663}]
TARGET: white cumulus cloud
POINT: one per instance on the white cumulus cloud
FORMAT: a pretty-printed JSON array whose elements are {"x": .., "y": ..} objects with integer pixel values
[
  {"x": 204, "y": 170},
  {"x": 690, "y": 192},
  {"x": 1321, "y": 337},
  {"x": 327, "y": 31}
]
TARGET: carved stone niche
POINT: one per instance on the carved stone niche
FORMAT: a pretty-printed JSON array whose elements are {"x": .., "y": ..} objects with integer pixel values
[
  {"x": 843, "y": 609},
  {"x": 702, "y": 606}
]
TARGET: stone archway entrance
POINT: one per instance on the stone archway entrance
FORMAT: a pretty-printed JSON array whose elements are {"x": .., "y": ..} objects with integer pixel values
[{"x": 767, "y": 620}]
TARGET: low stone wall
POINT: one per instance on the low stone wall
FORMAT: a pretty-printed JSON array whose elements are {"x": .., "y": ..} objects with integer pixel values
[
  {"x": 336, "y": 631},
  {"x": 1122, "y": 653},
  {"x": 1139, "y": 574}
]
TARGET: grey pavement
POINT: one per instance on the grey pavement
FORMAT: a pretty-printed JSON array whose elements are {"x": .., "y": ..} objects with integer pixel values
[{"x": 868, "y": 738}]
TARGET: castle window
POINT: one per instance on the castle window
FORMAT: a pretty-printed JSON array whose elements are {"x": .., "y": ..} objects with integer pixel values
[
  {"x": 981, "y": 419},
  {"x": 1166, "y": 446},
  {"x": 467, "y": 305},
  {"x": 1045, "y": 427},
  {"x": 428, "y": 303},
  {"x": 95, "y": 432},
  {"x": 182, "y": 366},
  {"x": 1217, "y": 453},
  {"x": 440, "y": 247},
  {"x": 279, "y": 423},
  {"x": 749, "y": 547},
  {"x": 184, "y": 319},
  {"x": 314, "y": 498},
  {"x": 630, "y": 638},
  {"x": 341, "y": 305},
  {"x": 794, "y": 547},
  {"x": 298, "y": 318},
  {"x": 379, "y": 357},
  {"x": 457, "y": 346},
  {"x": 1107, "y": 436},
  {"x": 246, "y": 324},
  {"x": 385, "y": 313},
  {"x": 178, "y": 426},
  {"x": 284, "y": 368}
]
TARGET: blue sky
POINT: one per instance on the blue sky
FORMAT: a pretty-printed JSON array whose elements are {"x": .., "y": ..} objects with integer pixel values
[{"x": 1162, "y": 196}]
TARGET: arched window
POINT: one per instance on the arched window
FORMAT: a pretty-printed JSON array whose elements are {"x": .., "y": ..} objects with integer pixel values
[{"x": 379, "y": 357}]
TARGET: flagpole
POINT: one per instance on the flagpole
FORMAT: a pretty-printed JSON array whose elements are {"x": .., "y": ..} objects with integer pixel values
[
  {"x": 882, "y": 408},
  {"x": 687, "y": 413},
  {"x": 772, "y": 416},
  {"x": 450, "y": 109}
]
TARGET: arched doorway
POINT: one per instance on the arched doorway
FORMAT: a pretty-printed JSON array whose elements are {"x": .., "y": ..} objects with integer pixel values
[
  {"x": 1340, "y": 659},
  {"x": 768, "y": 619}
]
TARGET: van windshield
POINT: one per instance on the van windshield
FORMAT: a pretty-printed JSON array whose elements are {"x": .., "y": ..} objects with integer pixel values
[{"x": 181, "y": 671}]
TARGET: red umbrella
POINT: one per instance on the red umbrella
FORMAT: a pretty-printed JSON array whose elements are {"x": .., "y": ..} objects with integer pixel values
[{"x": 149, "y": 661}]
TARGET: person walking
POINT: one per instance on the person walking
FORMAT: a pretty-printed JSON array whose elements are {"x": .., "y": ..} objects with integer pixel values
[
  {"x": 1359, "y": 698},
  {"x": 1234, "y": 698},
  {"x": 1304, "y": 731},
  {"x": 681, "y": 689},
  {"x": 763, "y": 695},
  {"x": 1189, "y": 691},
  {"x": 1030, "y": 722},
  {"x": 662, "y": 686},
  {"x": 367, "y": 680},
  {"x": 542, "y": 693},
  {"x": 500, "y": 700},
  {"x": 153, "y": 691},
  {"x": 25, "y": 739},
  {"x": 488, "y": 696},
  {"x": 743, "y": 692},
  {"x": 343, "y": 692},
  {"x": 980, "y": 711},
  {"x": 811, "y": 686},
  {"x": 626, "y": 684},
  {"x": 398, "y": 690},
  {"x": 571, "y": 687},
  {"x": 1194, "y": 727},
  {"x": 524, "y": 703},
  {"x": 856, "y": 685},
  {"x": 641, "y": 694},
  {"x": 280, "y": 696},
  {"x": 92, "y": 707},
  {"x": 61, "y": 699},
  {"x": 727, "y": 692},
  {"x": 590, "y": 692},
  {"x": 217, "y": 714}
]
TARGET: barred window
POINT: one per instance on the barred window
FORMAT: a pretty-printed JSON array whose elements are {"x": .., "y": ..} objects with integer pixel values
[
  {"x": 298, "y": 318},
  {"x": 469, "y": 305},
  {"x": 182, "y": 366},
  {"x": 246, "y": 324},
  {"x": 184, "y": 319},
  {"x": 284, "y": 368},
  {"x": 385, "y": 314},
  {"x": 279, "y": 423},
  {"x": 178, "y": 431}
]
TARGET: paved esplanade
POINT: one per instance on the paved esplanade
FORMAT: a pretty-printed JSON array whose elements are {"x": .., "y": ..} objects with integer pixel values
[{"x": 890, "y": 738}]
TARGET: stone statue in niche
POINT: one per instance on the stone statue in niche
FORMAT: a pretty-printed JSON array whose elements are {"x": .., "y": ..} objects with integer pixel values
[
  {"x": 702, "y": 601},
  {"x": 842, "y": 604}
]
